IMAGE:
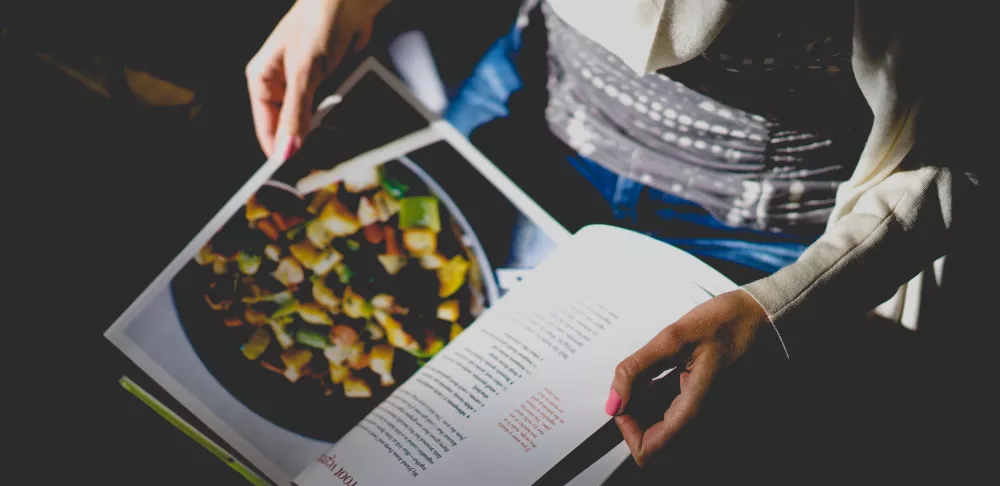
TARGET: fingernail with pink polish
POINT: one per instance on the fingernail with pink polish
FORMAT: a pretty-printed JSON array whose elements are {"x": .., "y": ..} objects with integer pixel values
[
  {"x": 292, "y": 146},
  {"x": 613, "y": 404}
]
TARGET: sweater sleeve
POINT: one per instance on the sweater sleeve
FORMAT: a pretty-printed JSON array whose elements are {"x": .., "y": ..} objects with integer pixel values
[{"x": 920, "y": 177}]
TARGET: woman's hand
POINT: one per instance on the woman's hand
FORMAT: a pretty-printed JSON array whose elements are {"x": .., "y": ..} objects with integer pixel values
[
  {"x": 305, "y": 47},
  {"x": 701, "y": 344}
]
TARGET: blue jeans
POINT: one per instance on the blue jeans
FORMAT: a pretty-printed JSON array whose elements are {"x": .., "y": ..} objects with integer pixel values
[{"x": 483, "y": 97}]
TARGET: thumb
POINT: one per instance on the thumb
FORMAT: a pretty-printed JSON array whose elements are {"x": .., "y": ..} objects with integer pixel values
[
  {"x": 296, "y": 107},
  {"x": 636, "y": 371}
]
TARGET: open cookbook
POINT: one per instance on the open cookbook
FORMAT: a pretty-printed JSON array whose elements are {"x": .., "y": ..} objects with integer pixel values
[{"x": 387, "y": 307}]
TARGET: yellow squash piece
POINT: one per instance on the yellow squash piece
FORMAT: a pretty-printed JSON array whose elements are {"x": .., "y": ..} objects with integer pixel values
[
  {"x": 420, "y": 242},
  {"x": 355, "y": 387},
  {"x": 381, "y": 362},
  {"x": 314, "y": 313},
  {"x": 451, "y": 276}
]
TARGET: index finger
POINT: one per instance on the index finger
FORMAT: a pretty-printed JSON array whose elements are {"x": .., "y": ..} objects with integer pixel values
[{"x": 644, "y": 443}]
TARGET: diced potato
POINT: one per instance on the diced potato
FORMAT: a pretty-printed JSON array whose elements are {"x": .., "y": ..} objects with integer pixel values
[
  {"x": 255, "y": 210},
  {"x": 455, "y": 331},
  {"x": 338, "y": 373},
  {"x": 232, "y": 322},
  {"x": 355, "y": 306},
  {"x": 325, "y": 296},
  {"x": 367, "y": 214},
  {"x": 255, "y": 317},
  {"x": 451, "y": 276},
  {"x": 317, "y": 234},
  {"x": 420, "y": 242},
  {"x": 314, "y": 313},
  {"x": 359, "y": 177},
  {"x": 394, "y": 332},
  {"x": 448, "y": 310},
  {"x": 257, "y": 344},
  {"x": 380, "y": 361},
  {"x": 289, "y": 272},
  {"x": 272, "y": 252},
  {"x": 385, "y": 205},
  {"x": 338, "y": 219},
  {"x": 295, "y": 361},
  {"x": 432, "y": 261},
  {"x": 305, "y": 253},
  {"x": 327, "y": 260},
  {"x": 392, "y": 263},
  {"x": 356, "y": 388}
]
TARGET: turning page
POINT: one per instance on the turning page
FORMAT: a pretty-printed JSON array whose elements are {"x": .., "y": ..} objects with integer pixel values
[{"x": 524, "y": 385}]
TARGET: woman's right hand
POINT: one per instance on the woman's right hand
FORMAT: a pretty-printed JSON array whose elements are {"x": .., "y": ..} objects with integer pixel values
[{"x": 305, "y": 47}]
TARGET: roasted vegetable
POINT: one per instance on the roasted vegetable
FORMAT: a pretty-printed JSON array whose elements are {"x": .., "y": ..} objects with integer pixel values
[
  {"x": 338, "y": 220},
  {"x": 394, "y": 332},
  {"x": 255, "y": 318},
  {"x": 220, "y": 267},
  {"x": 280, "y": 298},
  {"x": 284, "y": 222},
  {"x": 286, "y": 308},
  {"x": 455, "y": 331},
  {"x": 356, "y": 388},
  {"x": 367, "y": 214},
  {"x": 344, "y": 273},
  {"x": 380, "y": 361},
  {"x": 327, "y": 261},
  {"x": 295, "y": 361},
  {"x": 285, "y": 340},
  {"x": 419, "y": 212},
  {"x": 432, "y": 261},
  {"x": 205, "y": 255},
  {"x": 355, "y": 306},
  {"x": 257, "y": 344},
  {"x": 452, "y": 276},
  {"x": 268, "y": 228},
  {"x": 317, "y": 234},
  {"x": 338, "y": 373},
  {"x": 373, "y": 331},
  {"x": 232, "y": 322},
  {"x": 289, "y": 272},
  {"x": 420, "y": 242},
  {"x": 272, "y": 252},
  {"x": 385, "y": 205},
  {"x": 314, "y": 313},
  {"x": 311, "y": 337},
  {"x": 448, "y": 311},
  {"x": 388, "y": 304},
  {"x": 305, "y": 253},
  {"x": 255, "y": 211},
  {"x": 249, "y": 264},
  {"x": 343, "y": 335},
  {"x": 324, "y": 295},
  {"x": 373, "y": 234}
]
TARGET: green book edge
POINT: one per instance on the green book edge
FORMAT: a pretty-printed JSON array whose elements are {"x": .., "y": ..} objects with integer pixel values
[{"x": 192, "y": 432}]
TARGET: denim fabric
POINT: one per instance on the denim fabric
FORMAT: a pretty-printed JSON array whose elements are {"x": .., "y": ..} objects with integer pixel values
[{"x": 483, "y": 97}]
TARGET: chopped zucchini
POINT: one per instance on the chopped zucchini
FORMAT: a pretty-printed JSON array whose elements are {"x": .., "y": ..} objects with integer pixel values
[
  {"x": 311, "y": 337},
  {"x": 420, "y": 242},
  {"x": 419, "y": 212},
  {"x": 451, "y": 276},
  {"x": 257, "y": 344}
]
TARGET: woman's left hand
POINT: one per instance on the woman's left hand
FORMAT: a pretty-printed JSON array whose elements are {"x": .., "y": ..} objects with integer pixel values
[{"x": 701, "y": 344}]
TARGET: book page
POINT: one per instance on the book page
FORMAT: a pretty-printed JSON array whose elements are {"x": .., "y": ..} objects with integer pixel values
[{"x": 524, "y": 385}]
